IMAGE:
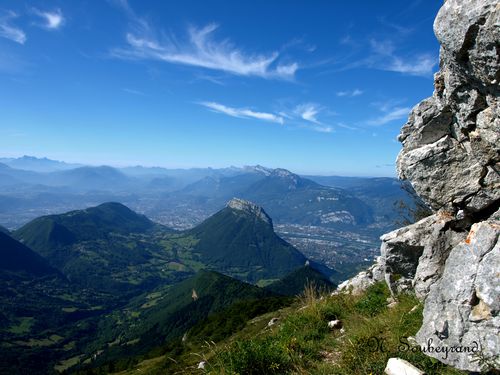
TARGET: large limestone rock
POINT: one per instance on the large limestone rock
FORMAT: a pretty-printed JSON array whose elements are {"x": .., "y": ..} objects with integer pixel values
[
  {"x": 451, "y": 156},
  {"x": 414, "y": 256},
  {"x": 450, "y": 142},
  {"x": 461, "y": 310}
]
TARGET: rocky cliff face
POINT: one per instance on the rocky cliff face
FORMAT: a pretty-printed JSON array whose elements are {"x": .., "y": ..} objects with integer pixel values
[
  {"x": 450, "y": 142},
  {"x": 451, "y": 156}
]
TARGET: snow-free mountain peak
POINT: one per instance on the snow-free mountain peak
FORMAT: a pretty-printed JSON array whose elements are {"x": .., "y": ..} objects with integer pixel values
[{"x": 249, "y": 208}]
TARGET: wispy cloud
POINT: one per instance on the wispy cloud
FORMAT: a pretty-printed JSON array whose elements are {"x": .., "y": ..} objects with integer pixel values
[
  {"x": 200, "y": 48},
  {"x": 421, "y": 65},
  {"x": 392, "y": 114},
  {"x": 350, "y": 93},
  {"x": 323, "y": 129},
  {"x": 308, "y": 112},
  {"x": 384, "y": 57},
  {"x": 302, "y": 116},
  {"x": 53, "y": 20},
  {"x": 243, "y": 112},
  {"x": 133, "y": 92},
  {"x": 8, "y": 31}
]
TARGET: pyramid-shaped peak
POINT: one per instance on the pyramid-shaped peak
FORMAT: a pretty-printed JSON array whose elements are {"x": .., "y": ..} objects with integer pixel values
[{"x": 249, "y": 208}]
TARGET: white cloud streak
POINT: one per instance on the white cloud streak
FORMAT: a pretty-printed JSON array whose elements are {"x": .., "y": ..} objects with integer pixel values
[
  {"x": 396, "y": 113},
  {"x": 308, "y": 112},
  {"x": 421, "y": 65},
  {"x": 202, "y": 49},
  {"x": 243, "y": 112},
  {"x": 11, "y": 32},
  {"x": 385, "y": 58},
  {"x": 53, "y": 20},
  {"x": 350, "y": 93}
]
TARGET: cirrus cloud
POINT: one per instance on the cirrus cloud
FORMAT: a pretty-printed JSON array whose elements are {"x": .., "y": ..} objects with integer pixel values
[
  {"x": 202, "y": 49},
  {"x": 8, "y": 31},
  {"x": 243, "y": 112},
  {"x": 53, "y": 20}
]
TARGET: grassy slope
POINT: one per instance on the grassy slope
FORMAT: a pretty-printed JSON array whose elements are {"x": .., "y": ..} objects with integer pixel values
[
  {"x": 302, "y": 343},
  {"x": 155, "y": 323}
]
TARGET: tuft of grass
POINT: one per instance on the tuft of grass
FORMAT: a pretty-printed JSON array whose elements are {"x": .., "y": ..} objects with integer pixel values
[
  {"x": 374, "y": 300},
  {"x": 309, "y": 296}
]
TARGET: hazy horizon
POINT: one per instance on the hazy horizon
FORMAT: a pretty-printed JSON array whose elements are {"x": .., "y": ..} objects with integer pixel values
[
  {"x": 166, "y": 166},
  {"x": 325, "y": 90}
]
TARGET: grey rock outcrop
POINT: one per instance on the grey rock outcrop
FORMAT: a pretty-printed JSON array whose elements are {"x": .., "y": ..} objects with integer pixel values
[
  {"x": 451, "y": 156},
  {"x": 359, "y": 283},
  {"x": 450, "y": 142},
  {"x": 250, "y": 209},
  {"x": 461, "y": 310}
]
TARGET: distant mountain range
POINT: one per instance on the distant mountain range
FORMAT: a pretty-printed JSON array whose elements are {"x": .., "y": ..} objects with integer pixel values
[
  {"x": 32, "y": 163},
  {"x": 43, "y": 184}
]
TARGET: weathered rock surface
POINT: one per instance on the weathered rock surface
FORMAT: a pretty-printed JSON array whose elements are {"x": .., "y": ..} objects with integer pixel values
[
  {"x": 250, "y": 209},
  {"x": 451, "y": 156},
  {"x": 461, "y": 310},
  {"x": 362, "y": 280},
  {"x": 450, "y": 142}
]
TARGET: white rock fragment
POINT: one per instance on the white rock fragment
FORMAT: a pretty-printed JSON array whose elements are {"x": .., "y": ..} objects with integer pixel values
[
  {"x": 335, "y": 324},
  {"x": 398, "y": 366},
  {"x": 201, "y": 365},
  {"x": 272, "y": 322}
]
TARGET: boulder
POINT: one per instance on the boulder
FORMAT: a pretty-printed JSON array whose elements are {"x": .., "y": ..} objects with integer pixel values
[
  {"x": 461, "y": 310},
  {"x": 359, "y": 283}
]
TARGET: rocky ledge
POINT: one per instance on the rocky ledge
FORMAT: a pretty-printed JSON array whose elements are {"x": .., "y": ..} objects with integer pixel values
[{"x": 451, "y": 156}]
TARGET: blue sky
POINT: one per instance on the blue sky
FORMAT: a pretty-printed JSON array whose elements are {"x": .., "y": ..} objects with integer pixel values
[{"x": 312, "y": 86}]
